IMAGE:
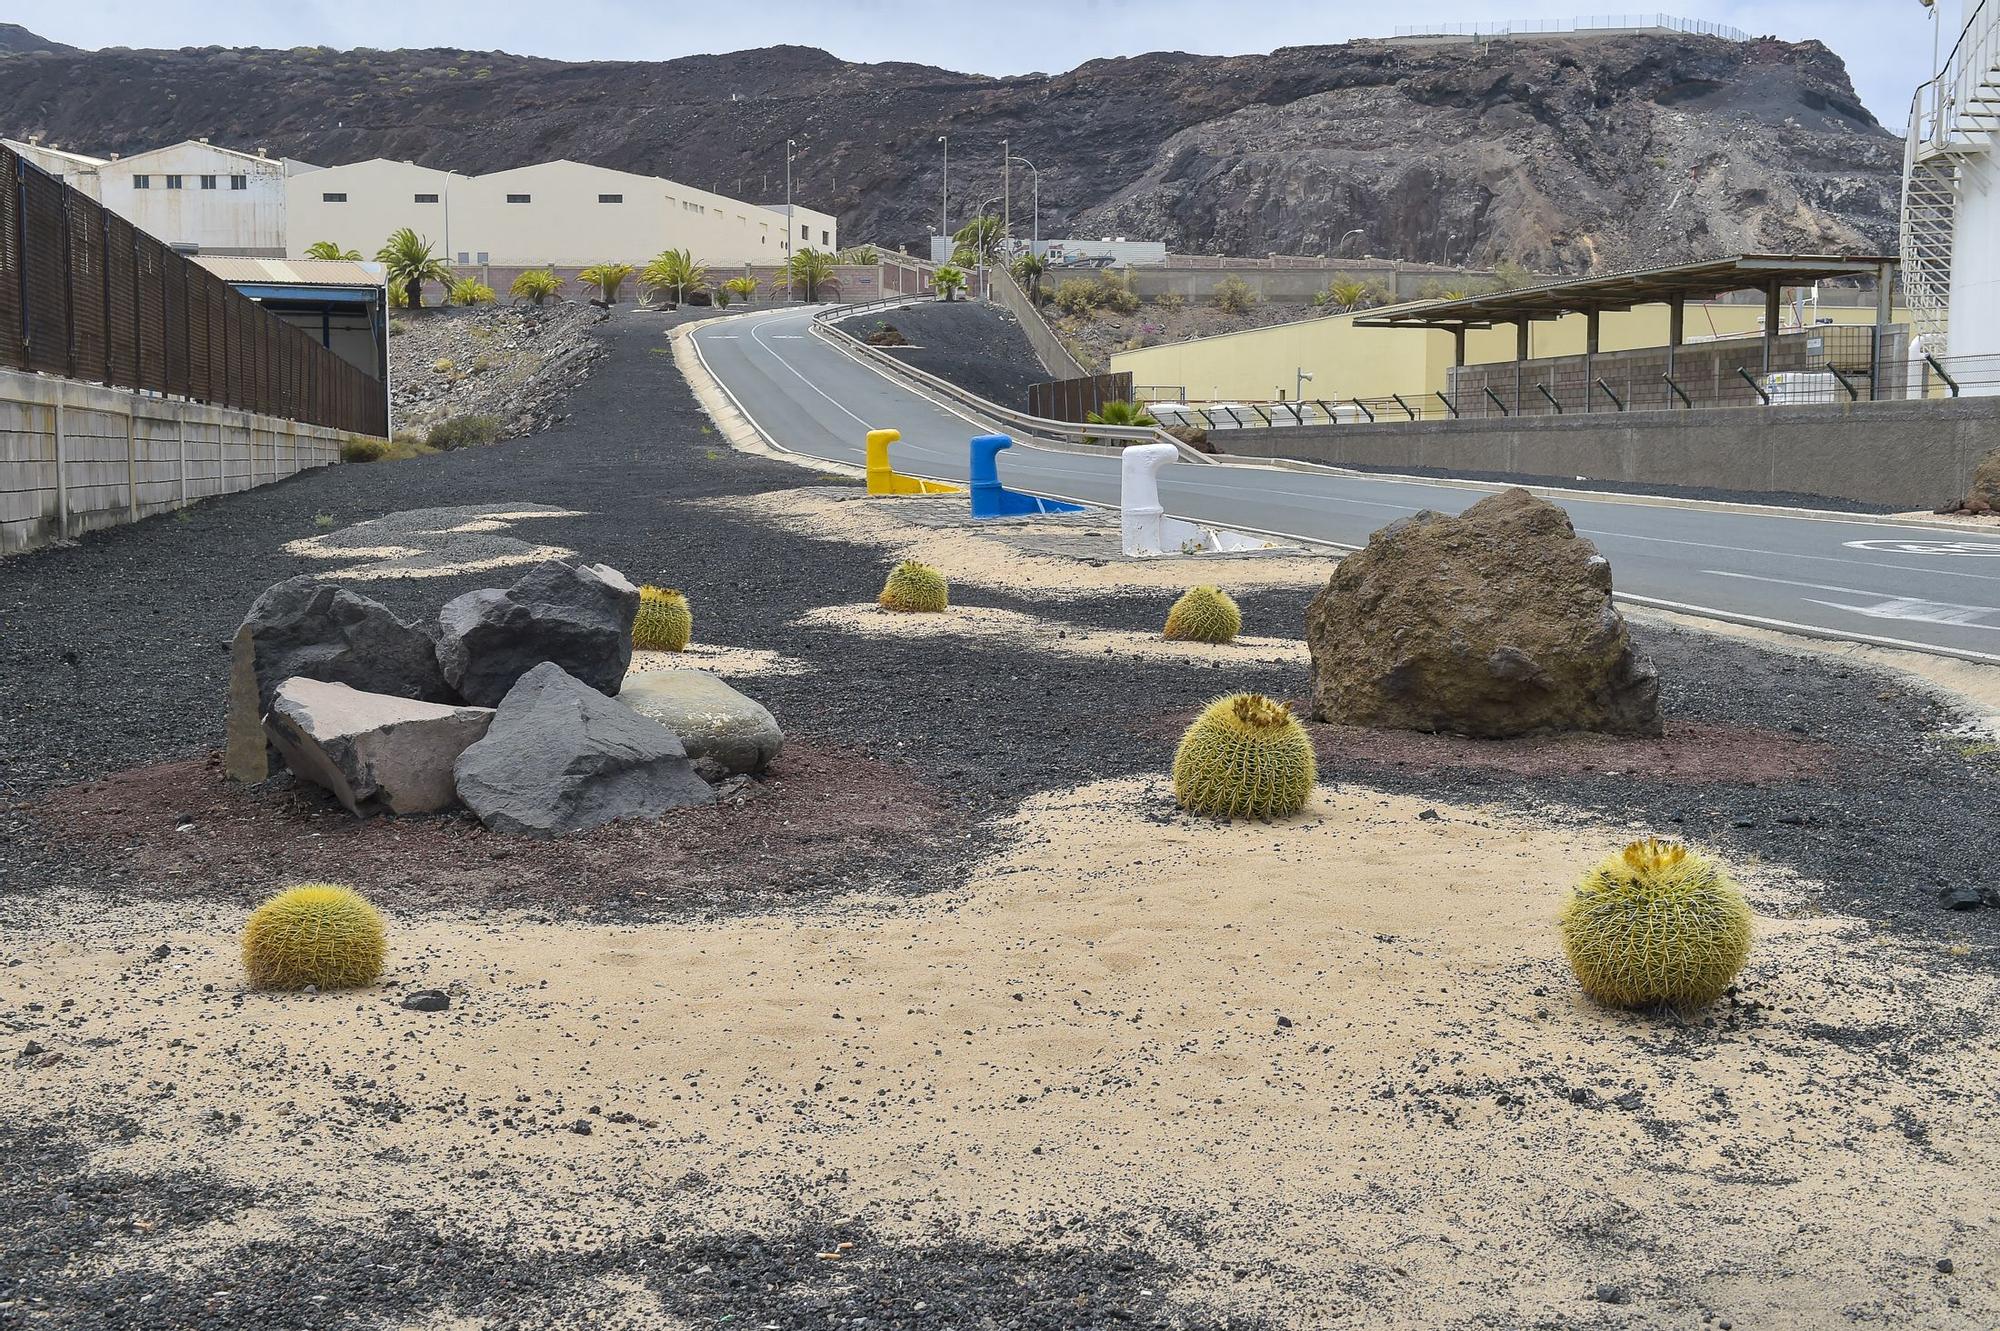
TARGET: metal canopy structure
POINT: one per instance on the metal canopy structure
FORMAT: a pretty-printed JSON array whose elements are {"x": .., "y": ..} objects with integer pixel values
[{"x": 1672, "y": 286}]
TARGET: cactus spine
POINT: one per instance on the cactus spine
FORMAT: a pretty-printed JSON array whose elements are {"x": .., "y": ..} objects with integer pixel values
[
  {"x": 665, "y": 623},
  {"x": 318, "y": 934},
  {"x": 1245, "y": 755},
  {"x": 1204, "y": 614},
  {"x": 1656, "y": 924},
  {"x": 913, "y": 586}
]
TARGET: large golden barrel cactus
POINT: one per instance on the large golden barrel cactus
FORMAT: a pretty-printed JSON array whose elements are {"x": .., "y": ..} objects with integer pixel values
[
  {"x": 1656, "y": 924},
  {"x": 913, "y": 586},
  {"x": 1204, "y": 614},
  {"x": 318, "y": 934},
  {"x": 665, "y": 623},
  {"x": 1245, "y": 755}
]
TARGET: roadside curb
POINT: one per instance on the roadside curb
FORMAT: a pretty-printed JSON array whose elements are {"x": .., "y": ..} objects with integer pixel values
[{"x": 735, "y": 424}]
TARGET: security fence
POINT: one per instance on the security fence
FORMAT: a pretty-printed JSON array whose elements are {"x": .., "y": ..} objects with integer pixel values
[{"x": 86, "y": 295}]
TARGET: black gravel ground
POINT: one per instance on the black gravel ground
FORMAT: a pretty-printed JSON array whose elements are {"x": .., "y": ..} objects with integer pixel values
[
  {"x": 112, "y": 655},
  {"x": 979, "y": 347}
]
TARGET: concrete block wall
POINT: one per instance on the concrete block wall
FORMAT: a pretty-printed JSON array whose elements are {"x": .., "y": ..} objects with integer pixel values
[
  {"x": 75, "y": 457},
  {"x": 1906, "y": 455}
]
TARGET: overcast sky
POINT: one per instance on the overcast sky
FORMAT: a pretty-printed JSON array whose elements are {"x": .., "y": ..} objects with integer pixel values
[{"x": 1886, "y": 43}]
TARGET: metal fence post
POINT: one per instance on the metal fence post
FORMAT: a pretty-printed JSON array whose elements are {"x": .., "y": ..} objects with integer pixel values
[
  {"x": 62, "y": 471},
  {"x": 181, "y": 436},
  {"x": 132, "y": 458}
]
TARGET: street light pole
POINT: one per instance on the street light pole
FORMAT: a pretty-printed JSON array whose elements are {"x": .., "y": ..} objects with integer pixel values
[
  {"x": 1358, "y": 231},
  {"x": 1299, "y": 385},
  {"x": 944, "y": 207},
  {"x": 1006, "y": 192},
  {"x": 789, "y": 145},
  {"x": 1035, "y": 244}
]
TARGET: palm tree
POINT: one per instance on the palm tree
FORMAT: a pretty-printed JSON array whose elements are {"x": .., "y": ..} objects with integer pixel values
[
  {"x": 607, "y": 278},
  {"x": 1028, "y": 270},
  {"x": 1346, "y": 293},
  {"x": 982, "y": 233},
  {"x": 330, "y": 249},
  {"x": 676, "y": 269},
  {"x": 864, "y": 255},
  {"x": 407, "y": 257},
  {"x": 1117, "y": 411},
  {"x": 950, "y": 280},
  {"x": 536, "y": 285},
  {"x": 471, "y": 291},
  {"x": 812, "y": 268},
  {"x": 743, "y": 288}
]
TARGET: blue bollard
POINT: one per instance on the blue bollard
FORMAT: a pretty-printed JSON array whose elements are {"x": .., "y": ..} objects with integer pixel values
[{"x": 990, "y": 499}]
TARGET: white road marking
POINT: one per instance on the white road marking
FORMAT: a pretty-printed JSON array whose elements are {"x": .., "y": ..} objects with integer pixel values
[
  {"x": 1809, "y": 630},
  {"x": 1978, "y": 549},
  {"x": 755, "y": 336},
  {"x": 1881, "y": 607},
  {"x": 1787, "y": 554}
]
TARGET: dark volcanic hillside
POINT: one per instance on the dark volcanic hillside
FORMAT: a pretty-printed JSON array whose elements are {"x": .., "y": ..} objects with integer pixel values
[{"x": 1563, "y": 155}]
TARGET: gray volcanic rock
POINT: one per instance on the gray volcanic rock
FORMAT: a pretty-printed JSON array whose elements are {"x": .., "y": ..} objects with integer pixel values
[
  {"x": 319, "y": 630},
  {"x": 374, "y": 752},
  {"x": 1495, "y": 623},
  {"x": 713, "y": 720},
  {"x": 578, "y": 616},
  {"x": 560, "y": 756}
]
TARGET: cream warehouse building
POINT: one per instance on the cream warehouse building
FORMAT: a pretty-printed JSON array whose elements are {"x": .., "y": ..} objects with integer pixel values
[
  {"x": 194, "y": 196},
  {"x": 561, "y": 213}
]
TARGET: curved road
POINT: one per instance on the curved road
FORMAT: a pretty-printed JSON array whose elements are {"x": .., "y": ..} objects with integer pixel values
[{"x": 1936, "y": 589}]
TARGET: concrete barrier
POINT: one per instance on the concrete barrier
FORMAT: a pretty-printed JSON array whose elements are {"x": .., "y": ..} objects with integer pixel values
[
  {"x": 1904, "y": 455},
  {"x": 75, "y": 457},
  {"x": 990, "y": 499},
  {"x": 884, "y": 479}
]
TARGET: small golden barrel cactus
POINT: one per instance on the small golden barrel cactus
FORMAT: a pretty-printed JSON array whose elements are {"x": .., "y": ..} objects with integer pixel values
[
  {"x": 1204, "y": 614},
  {"x": 1245, "y": 755},
  {"x": 665, "y": 624},
  {"x": 1656, "y": 924},
  {"x": 913, "y": 586},
  {"x": 317, "y": 933}
]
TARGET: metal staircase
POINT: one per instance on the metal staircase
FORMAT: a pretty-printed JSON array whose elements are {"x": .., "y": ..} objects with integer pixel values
[{"x": 1955, "y": 115}]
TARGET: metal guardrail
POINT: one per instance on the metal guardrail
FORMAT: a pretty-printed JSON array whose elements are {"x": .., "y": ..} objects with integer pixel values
[{"x": 1036, "y": 427}]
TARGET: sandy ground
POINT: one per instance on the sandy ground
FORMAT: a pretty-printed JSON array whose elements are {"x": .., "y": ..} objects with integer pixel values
[
  {"x": 966, "y": 555},
  {"x": 1014, "y": 629},
  {"x": 729, "y": 662},
  {"x": 1334, "y": 1065},
  {"x": 433, "y": 543}
]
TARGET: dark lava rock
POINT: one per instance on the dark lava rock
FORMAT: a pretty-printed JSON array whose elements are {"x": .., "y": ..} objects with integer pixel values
[
  {"x": 304, "y": 626},
  {"x": 578, "y": 616},
  {"x": 1962, "y": 897},
  {"x": 427, "y": 1000}
]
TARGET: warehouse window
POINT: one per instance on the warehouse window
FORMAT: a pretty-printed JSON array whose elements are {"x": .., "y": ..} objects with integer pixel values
[
  {"x": 239, "y": 182},
  {"x": 173, "y": 182},
  {"x": 426, "y": 198},
  {"x": 333, "y": 198},
  {"x": 520, "y": 198},
  {"x": 611, "y": 198},
  {"x": 142, "y": 182},
  {"x": 805, "y": 233},
  {"x": 826, "y": 238},
  {"x": 208, "y": 182}
]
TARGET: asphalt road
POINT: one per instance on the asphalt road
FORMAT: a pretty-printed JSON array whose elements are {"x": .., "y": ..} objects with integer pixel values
[{"x": 1929, "y": 587}]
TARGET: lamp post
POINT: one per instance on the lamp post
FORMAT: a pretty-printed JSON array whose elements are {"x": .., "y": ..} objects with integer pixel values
[
  {"x": 1447, "y": 249},
  {"x": 944, "y": 206},
  {"x": 979, "y": 240},
  {"x": 1006, "y": 192},
  {"x": 1358, "y": 231},
  {"x": 789, "y": 145},
  {"x": 1035, "y": 244},
  {"x": 1299, "y": 385}
]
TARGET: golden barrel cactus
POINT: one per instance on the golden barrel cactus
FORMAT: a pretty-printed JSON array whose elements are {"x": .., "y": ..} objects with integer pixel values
[
  {"x": 665, "y": 623},
  {"x": 1656, "y": 924},
  {"x": 1204, "y": 614},
  {"x": 1245, "y": 755},
  {"x": 317, "y": 934},
  {"x": 913, "y": 586}
]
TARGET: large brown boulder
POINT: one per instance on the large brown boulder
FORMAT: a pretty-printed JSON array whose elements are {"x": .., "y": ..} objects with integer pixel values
[
  {"x": 1494, "y": 623},
  {"x": 1983, "y": 495}
]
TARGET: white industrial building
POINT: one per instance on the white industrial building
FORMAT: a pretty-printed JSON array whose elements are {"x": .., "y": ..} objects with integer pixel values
[
  {"x": 203, "y": 199},
  {"x": 1951, "y": 202},
  {"x": 563, "y": 214}
]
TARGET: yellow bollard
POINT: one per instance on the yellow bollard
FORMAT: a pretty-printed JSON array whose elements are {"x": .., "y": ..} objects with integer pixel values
[{"x": 885, "y": 480}]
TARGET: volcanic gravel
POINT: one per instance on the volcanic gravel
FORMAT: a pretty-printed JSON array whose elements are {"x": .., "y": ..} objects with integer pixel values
[
  {"x": 979, "y": 347},
  {"x": 113, "y": 657}
]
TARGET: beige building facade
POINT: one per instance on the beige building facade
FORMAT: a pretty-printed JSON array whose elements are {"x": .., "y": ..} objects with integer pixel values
[{"x": 194, "y": 196}]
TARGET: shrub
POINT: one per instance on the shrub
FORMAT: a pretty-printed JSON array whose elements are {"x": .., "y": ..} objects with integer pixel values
[
  {"x": 397, "y": 328},
  {"x": 1107, "y": 291},
  {"x": 1117, "y": 411},
  {"x": 743, "y": 288},
  {"x": 1172, "y": 303},
  {"x": 1204, "y": 614},
  {"x": 607, "y": 278},
  {"x": 1656, "y": 924},
  {"x": 536, "y": 285},
  {"x": 1233, "y": 295},
  {"x": 913, "y": 587},
  {"x": 463, "y": 432},
  {"x": 471, "y": 291},
  {"x": 1245, "y": 755},
  {"x": 949, "y": 280},
  {"x": 722, "y": 298},
  {"x": 443, "y": 365},
  {"x": 318, "y": 934},
  {"x": 665, "y": 623}
]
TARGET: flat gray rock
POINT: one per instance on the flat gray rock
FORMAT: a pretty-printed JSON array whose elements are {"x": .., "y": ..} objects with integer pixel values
[
  {"x": 307, "y": 628},
  {"x": 578, "y": 616},
  {"x": 713, "y": 720},
  {"x": 374, "y": 752},
  {"x": 560, "y": 756}
]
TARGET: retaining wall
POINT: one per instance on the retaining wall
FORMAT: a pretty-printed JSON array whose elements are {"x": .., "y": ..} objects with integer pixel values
[
  {"x": 75, "y": 457},
  {"x": 1907, "y": 455},
  {"x": 1049, "y": 349}
]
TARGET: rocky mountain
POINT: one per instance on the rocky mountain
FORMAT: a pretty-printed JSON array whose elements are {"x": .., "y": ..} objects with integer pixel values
[
  {"x": 15, "y": 38},
  {"x": 1561, "y": 154}
]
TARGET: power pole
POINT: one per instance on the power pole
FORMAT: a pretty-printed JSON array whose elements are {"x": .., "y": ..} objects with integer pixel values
[{"x": 1006, "y": 192}]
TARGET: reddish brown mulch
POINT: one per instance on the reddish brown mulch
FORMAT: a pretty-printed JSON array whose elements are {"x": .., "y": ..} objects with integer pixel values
[
  {"x": 820, "y": 821},
  {"x": 1691, "y": 752}
]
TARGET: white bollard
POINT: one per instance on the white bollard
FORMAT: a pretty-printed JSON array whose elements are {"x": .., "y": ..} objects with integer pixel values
[{"x": 1140, "y": 516}]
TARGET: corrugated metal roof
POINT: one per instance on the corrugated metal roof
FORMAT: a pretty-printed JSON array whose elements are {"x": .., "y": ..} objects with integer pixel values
[{"x": 292, "y": 272}]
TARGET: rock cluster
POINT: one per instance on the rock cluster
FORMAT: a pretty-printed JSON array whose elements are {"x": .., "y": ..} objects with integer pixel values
[
  {"x": 515, "y": 363},
  {"x": 1983, "y": 494},
  {"x": 513, "y": 707},
  {"x": 1495, "y": 623}
]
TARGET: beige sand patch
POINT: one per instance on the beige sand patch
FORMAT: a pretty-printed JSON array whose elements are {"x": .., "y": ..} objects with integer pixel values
[
  {"x": 731, "y": 662},
  {"x": 1014, "y": 629}
]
